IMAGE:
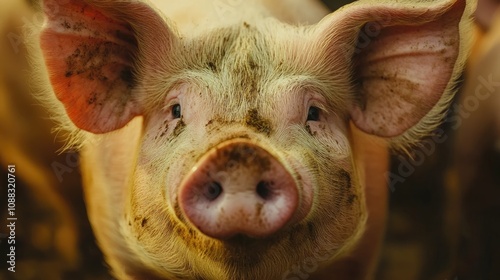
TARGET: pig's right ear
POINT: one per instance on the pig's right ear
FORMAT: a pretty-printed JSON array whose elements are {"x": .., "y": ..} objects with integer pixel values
[
  {"x": 93, "y": 50},
  {"x": 402, "y": 57}
]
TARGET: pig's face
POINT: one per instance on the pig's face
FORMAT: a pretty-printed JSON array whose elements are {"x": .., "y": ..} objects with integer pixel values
[
  {"x": 245, "y": 167},
  {"x": 243, "y": 95}
]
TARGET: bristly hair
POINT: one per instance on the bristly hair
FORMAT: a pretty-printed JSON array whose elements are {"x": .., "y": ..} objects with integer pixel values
[
  {"x": 436, "y": 116},
  {"x": 268, "y": 48},
  {"x": 41, "y": 88}
]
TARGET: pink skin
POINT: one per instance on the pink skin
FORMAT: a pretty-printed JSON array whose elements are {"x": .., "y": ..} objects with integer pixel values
[
  {"x": 243, "y": 88},
  {"x": 239, "y": 188},
  {"x": 293, "y": 187}
]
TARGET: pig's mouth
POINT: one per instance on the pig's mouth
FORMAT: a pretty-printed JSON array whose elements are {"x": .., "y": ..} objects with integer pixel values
[
  {"x": 246, "y": 254},
  {"x": 251, "y": 244}
]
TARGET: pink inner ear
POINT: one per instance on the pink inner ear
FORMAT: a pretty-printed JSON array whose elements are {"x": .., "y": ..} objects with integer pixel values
[
  {"x": 403, "y": 74},
  {"x": 89, "y": 57},
  {"x": 403, "y": 71}
]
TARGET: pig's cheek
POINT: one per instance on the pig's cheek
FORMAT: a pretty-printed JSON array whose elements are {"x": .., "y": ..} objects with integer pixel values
[
  {"x": 149, "y": 224},
  {"x": 157, "y": 127},
  {"x": 142, "y": 192},
  {"x": 332, "y": 137},
  {"x": 161, "y": 129},
  {"x": 180, "y": 163},
  {"x": 172, "y": 182},
  {"x": 336, "y": 145},
  {"x": 305, "y": 183}
]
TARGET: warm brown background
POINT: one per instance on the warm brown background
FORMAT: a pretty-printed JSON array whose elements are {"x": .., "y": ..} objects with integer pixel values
[{"x": 433, "y": 232}]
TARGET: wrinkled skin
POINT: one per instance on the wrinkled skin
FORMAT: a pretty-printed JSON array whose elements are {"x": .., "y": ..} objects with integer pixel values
[{"x": 298, "y": 109}]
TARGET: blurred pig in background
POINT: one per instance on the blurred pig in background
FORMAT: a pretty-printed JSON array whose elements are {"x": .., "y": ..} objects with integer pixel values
[
  {"x": 476, "y": 153},
  {"x": 444, "y": 221},
  {"x": 52, "y": 238}
]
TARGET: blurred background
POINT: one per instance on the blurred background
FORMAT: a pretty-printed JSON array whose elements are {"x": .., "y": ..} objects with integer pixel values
[{"x": 444, "y": 212}]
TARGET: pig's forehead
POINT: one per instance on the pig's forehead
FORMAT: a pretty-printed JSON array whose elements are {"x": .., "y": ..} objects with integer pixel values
[
  {"x": 240, "y": 55},
  {"x": 248, "y": 58}
]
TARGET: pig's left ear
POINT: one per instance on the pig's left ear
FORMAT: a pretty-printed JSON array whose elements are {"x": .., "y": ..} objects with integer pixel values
[
  {"x": 96, "y": 53},
  {"x": 403, "y": 58}
]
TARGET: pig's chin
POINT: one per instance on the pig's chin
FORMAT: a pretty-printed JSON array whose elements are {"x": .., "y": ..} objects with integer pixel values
[
  {"x": 320, "y": 237},
  {"x": 244, "y": 257}
]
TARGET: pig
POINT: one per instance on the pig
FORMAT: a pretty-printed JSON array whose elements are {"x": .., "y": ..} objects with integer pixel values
[
  {"x": 26, "y": 142},
  {"x": 476, "y": 149},
  {"x": 245, "y": 139}
]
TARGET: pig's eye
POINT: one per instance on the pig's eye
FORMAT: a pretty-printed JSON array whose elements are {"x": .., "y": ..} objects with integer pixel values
[
  {"x": 176, "y": 111},
  {"x": 313, "y": 114}
]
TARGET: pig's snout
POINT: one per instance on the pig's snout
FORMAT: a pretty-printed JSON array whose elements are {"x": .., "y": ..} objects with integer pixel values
[{"x": 239, "y": 188}]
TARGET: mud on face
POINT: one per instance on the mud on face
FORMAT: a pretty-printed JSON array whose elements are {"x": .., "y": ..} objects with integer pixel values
[{"x": 218, "y": 107}]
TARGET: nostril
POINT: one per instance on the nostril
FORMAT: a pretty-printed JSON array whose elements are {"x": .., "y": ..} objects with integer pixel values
[
  {"x": 240, "y": 189},
  {"x": 212, "y": 190},
  {"x": 264, "y": 189}
]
